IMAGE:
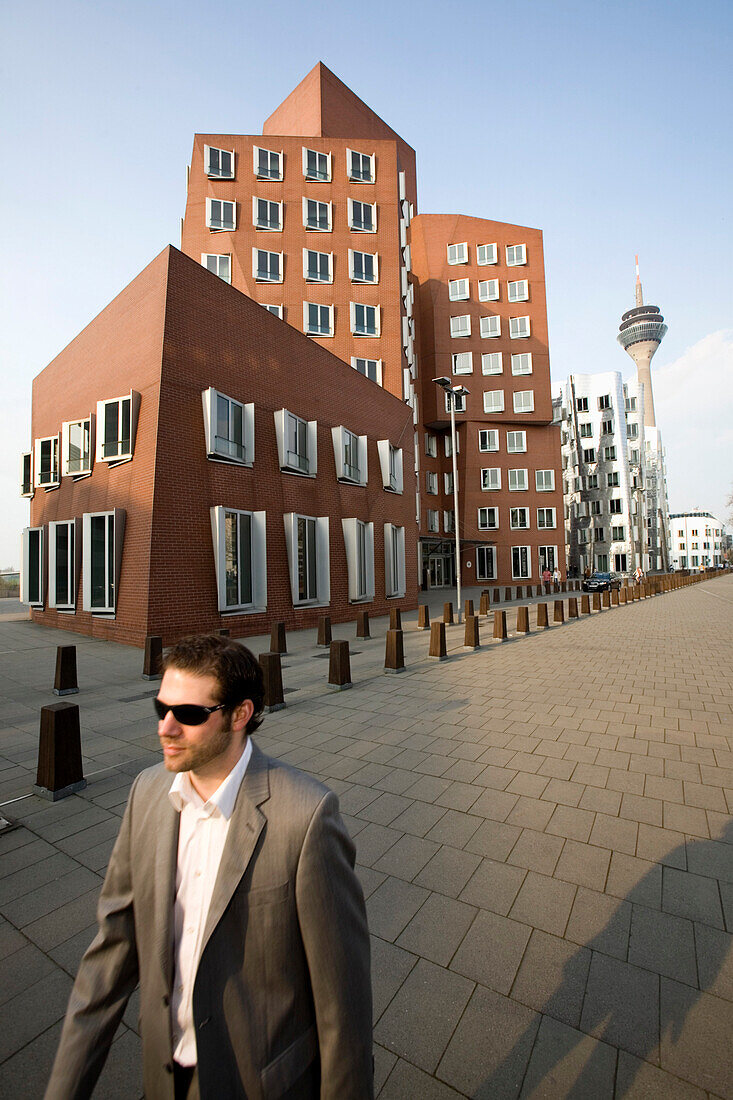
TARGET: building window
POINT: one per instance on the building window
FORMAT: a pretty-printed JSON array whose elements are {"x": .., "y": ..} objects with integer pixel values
[
  {"x": 116, "y": 424},
  {"x": 316, "y": 166},
  {"x": 546, "y": 517},
  {"x": 26, "y": 474},
  {"x": 544, "y": 481},
  {"x": 521, "y": 562},
  {"x": 630, "y": 404},
  {"x": 632, "y": 431},
  {"x": 490, "y": 327},
  {"x": 518, "y": 481},
  {"x": 433, "y": 520},
  {"x": 458, "y": 290},
  {"x": 518, "y": 518},
  {"x": 458, "y": 253},
  {"x": 614, "y": 506},
  {"x": 604, "y": 402},
  {"x": 491, "y": 362},
  {"x": 448, "y": 445},
  {"x": 519, "y": 291},
  {"x": 586, "y": 430},
  {"x": 102, "y": 535},
  {"x": 267, "y": 164},
  {"x": 363, "y": 267},
  {"x": 516, "y": 442},
  {"x": 599, "y": 534},
  {"x": 390, "y": 461},
  {"x": 228, "y": 427},
  {"x": 317, "y": 320},
  {"x": 394, "y": 560},
  {"x": 76, "y": 447},
  {"x": 431, "y": 445},
  {"x": 448, "y": 484},
  {"x": 596, "y": 507},
  {"x": 458, "y": 401},
  {"x": 460, "y": 326},
  {"x": 317, "y": 215},
  {"x": 360, "y": 166},
  {"x": 31, "y": 568},
  {"x": 609, "y": 454},
  {"x": 449, "y": 523},
  {"x": 581, "y": 404},
  {"x": 221, "y": 215},
  {"x": 524, "y": 401},
  {"x": 317, "y": 266},
  {"x": 592, "y": 479},
  {"x": 359, "y": 545},
  {"x": 488, "y": 290},
  {"x": 634, "y": 458},
  {"x": 267, "y": 214},
  {"x": 486, "y": 254},
  {"x": 607, "y": 427},
  {"x": 219, "y": 163},
  {"x": 518, "y": 328},
  {"x": 522, "y": 363},
  {"x": 490, "y": 479},
  {"x": 47, "y": 462},
  {"x": 350, "y": 453},
  {"x": 431, "y": 483},
  {"x": 240, "y": 558},
  {"x": 488, "y": 519},
  {"x": 219, "y": 264},
  {"x": 297, "y": 443},
  {"x": 485, "y": 563},
  {"x": 618, "y": 534},
  {"x": 362, "y": 216},
  {"x": 267, "y": 267},
  {"x": 493, "y": 401},
  {"x": 462, "y": 362},
  {"x": 370, "y": 368},
  {"x": 488, "y": 439},
  {"x": 516, "y": 255},
  {"x": 276, "y": 311},
  {"x": 365, "y": 320},
  {"x": 307, "y": 542}
]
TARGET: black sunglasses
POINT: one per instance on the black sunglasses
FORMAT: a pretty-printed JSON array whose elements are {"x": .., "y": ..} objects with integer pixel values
[{"x": 188, "y": 714}]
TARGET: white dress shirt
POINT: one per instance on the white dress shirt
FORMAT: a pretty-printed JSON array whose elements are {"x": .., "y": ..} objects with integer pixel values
[{"x": 201, "y": 836}]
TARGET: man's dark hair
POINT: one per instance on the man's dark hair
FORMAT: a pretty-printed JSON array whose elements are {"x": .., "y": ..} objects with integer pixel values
[{"x": 233, "y": 666}]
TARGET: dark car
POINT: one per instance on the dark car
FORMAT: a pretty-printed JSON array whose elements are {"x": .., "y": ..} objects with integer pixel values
[{"x": 602, "y": 582}]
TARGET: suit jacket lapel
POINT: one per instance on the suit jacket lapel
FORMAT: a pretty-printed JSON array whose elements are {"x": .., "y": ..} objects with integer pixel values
[
  {"x": 166, "y": 863},
  {"x": 245, "y": 827}
]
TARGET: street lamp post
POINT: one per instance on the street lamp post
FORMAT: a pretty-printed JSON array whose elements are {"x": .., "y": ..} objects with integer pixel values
[{"x": 452, "y": 392}]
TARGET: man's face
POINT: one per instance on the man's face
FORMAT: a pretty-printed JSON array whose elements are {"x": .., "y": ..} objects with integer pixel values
[{"x": 201, "y": 749}]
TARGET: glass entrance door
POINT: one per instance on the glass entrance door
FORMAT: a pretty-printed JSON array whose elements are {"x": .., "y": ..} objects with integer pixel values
[{"x": 440, "y": 571}]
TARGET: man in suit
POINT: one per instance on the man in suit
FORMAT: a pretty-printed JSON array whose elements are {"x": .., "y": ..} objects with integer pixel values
[{"x": 231, "y": 898}]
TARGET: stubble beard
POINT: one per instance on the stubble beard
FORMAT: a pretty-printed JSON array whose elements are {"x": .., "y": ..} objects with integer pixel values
[{"x": 195, "y": 758}]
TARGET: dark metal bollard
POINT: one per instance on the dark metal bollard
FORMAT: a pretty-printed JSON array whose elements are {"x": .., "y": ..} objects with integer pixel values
[
  {"x": 395, "y": 618},
  {"x": 394, "y": 656},
  {"x": 339, "y": 667},
  {"x": 523, "y": 620},
  {"x": 423, "y": 617},
  {"x": 448, "y": 613},
  {"x": 542, "y": 616},
  {"x": 324, "y": 631},
  {"x": 558, "y": 615},
  {"x": 471, "y": 635},
  {"x": 60, "y": 772},
  {"x": 484, "y": 604},
  {"x": 438, "y": 649},
  {"x": 500, "y": 626},
  {"x": 153, "y": 659},
  {"x": 277, "y": 638},
  {"x": 468, "y": 611},
  {"x": 362, "y": 625},
  {"x": 65, "y": 681},
  {"x": 273, "y": 676}
]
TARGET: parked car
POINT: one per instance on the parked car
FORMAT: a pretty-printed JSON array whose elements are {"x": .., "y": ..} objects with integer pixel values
[{"x": 602, "y": 582}]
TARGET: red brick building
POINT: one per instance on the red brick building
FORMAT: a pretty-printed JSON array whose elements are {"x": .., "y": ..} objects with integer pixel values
[{"x": 198, "y": 464}]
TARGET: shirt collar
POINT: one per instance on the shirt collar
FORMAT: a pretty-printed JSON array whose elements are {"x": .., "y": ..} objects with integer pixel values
[{"x": 182, "y": 792}]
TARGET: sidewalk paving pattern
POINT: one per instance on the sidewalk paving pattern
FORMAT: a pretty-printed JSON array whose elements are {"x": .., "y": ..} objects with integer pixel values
[{"x": 544, "y": 833}]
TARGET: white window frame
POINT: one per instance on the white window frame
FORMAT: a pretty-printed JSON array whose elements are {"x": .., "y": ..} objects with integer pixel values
[
  {"x": 460, "y": 326},
  {"x": 433, "y": 520},
  {"x": 523, "y": 401},
  {"x": 319, "y": 203},
  {"x": 448, "y": 445},
  {"x": 225, "y": 226},
  {"x": 364, "y": 331},
  {"x": 359, "y": 177},
  {"x": 391, "y": 466},
  {"x": 518, "y": 291},
  {"x": 516, "y": 446},
  {"x": 493, "y": 401},
  {"x": 490, "y": 326},
  {"x": 275, "y": 310},
  {"x": 309, "y": 278},
  {"x": 394, "y": 561},
  {"x": 349, "y": 473},
  {"x": 521, "y": 363},
  {"x": 304, "y": 463},
  {"x": 487, "y": 254},
  {"x": 519, "y": 328},
  {"x": 321, "y": 567},
  {"x": 101, "y": 445},
  {"x": 256, "y": 268},
  {"x": 462, "y": 362},
  {"x": 257, "y": 560},
  {"x": 212, "y": 173},
  {"x": 256, "y": 149},
  {"x": 431, "y": 483},
  {"x": 544, "y": 513},
  {"x": 66, "y": 428},
  {"x": 320, "y": 306},
  {"x": 525, "y": 563},
  {"x": 459, "y": 290},
  {"x": 376, "y": 363},
  {"x": 352, "y": 267},
  {"x": 359, "y": 546},
  {"x": 352, "y": 204},
  {"x": 26, "y": 492},
  {"x": 266, "y": 226},
  {"x": 431, "y": 445},
  {"x": 488, "y": 290},
  {"x": 317, "y": 175},
  {"x": 53, "y": 478},
  {"x": 618, "y": 534},
  {"x": 114, "y": 541},
  {"x": 457, "y": 253},
  {"x": 490, "y": 443},
  {"x": 449, "y": 523},
  {"x": 516, "y": 255},
  {"x": 544, "y": 481},
  {"x": 518, "y": 480},
  {"x": 490, "y": 479},
  {"x": 484, "y": 523},
  {"x": 222, "y": 449},
  {"x": 33, "y": 580},
  {"x": 515, "y": 516},
  {"x": 482, "y": 554},
  {"x": 219, "y": 264},
  {"x": 492, "y": 362}
]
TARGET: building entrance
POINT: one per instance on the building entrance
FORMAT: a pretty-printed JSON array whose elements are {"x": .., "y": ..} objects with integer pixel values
[{"x": 440, "y": 571}]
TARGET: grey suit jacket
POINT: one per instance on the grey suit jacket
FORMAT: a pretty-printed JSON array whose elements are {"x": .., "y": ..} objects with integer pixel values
[{"x": 282, "y": 996}]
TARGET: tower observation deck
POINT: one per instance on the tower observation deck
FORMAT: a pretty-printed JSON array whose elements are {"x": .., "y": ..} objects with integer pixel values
[{"x": 641, "y": 331}]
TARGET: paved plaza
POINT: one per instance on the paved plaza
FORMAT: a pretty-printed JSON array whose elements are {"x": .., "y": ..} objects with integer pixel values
[{"x": 544, "y": 833}]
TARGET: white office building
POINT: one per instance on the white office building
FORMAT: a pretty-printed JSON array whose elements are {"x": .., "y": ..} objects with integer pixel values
[{"x": 698, "y": 541}]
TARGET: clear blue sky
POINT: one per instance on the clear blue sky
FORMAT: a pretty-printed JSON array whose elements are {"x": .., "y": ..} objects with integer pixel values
[{"x": 606, "y": 125}]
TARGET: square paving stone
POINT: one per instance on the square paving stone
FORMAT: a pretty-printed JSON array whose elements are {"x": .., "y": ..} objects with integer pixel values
[
  {"x": 51, "y": 896},
  {"x": 494, "y": 886},
  {"x": 369, "y": 879},
  {"x": 663, "y": 943},
  {"x": 423, "y": 1014},
  {"x": 384, "y": 1061},
  {"x": 33, "y": 1010},
  {"x": 531, "y": 813},
  {"x": 600, "y": 800},
  {"x": 495, "y": 804},
  {"x": 614, "y": 833},
  {"x": 22, "y": 969},
  {"x": 492, "y": 951},
  {"x": 454, "y": 828},
  {"x": 621, "y": 1006},
  {"x": 565, "y": 1062},
  {"x": 68, "y": 954},
  {"x": 407, "y": 1082},
  {"x": 390, "y": 967},
  {"x": 563, "y": 792},
  {"x": 406, "y": 857},
  {"x": 635, "y": 880},
  {"x": 662, "y": 846},
  {"x": 459, "y": 796},
  {"x": 544, "y": 903},
  {"x": 583, "y": 864},
  {"x": 537, "y": 851},
  {"x": 712, "y": 858},
  {"x": 418, "y": 818},
  {"x": 488, "y": 1053},
  {"x": 600, "y": 922},
  {"x": 437, "y": 929},
  {"x": 714, "y": 961},
  {"x": 385, "y": 808},
  {"x": 637, "y": 1080},
  {"x": 448, "y": 871},
  {"x": 373, "y": 842},
  {"x": 392, "y": 906},
  {"x": 493, "y": 839},
  {"x": 686, "y": 819},
  {"x": 693, "y": 896},
  {"x": 696, "y": 1037},
  {"x": 569, "y": 821},
  {"x": 552, "y": 977}
]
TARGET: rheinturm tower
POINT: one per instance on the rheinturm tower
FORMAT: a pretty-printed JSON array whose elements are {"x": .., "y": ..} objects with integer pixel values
[{"x": 641, "y": 331}]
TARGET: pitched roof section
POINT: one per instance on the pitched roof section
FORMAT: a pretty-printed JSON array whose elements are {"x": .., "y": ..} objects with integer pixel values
[{"x": 322, "y": 106}]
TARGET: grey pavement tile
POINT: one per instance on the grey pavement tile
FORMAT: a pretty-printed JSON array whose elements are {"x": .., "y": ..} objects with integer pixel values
[
  {"x": 621, "y": 1006},
  {"x": 454, "y": 828},
  {"x": 571, "y": 822},
  {"x": 68, "y": 953},
  {"x": 600, "y": 800},
  {"x": 696, "y": 1031},
  {"x": 27, "y": 878},
  {"x": 537, "y": 851},
  {"x": 423, "y": 1015},
  {"x": 427, "y": 788},
  {"x": 663, "y": 943},
  {"x": 544, "y": 903},
  {"x": 686, "y": 819},
  {"x": 38, "y": 903},
  {"x": 636, "y": 807},
  {"x": 64, "y": 922},
  {"x": 384, "y": 1061},
  {"x": 528, "y": 783},
  {"x": 563, "y": 792},
  {"x": 458, "y": 796},
  {"x": 86, "y": 839},
  {"x": 669, "y": 790},
  {"x": 397, "y": 781},
  {"x": 407, "y": 1082},
  {"x": 635, "y": 880},
  {"x": 356, "y": 798},
  {"x": 121, "y": 1078},
  {"x": 407, "y": 857},
  {"x": 385, "y": 808},
  {"x": 418, "y": 818},
  {"x": 497, "y": 778},
  {"x": 494, "y": 840},
  {"x": 530, "y": 813},
  {"x": 32, "y": 1011},
  {"x": 437, "y": 929},
  {"x": 693, "y": 896},
  {"x": 392, "y": 906},
  {"x": 583, "y": 864},
  {"x": 661, "y": 846},
  {"x": 353, "y": 824},
  {"x": 614, "y": 833},
  {"x": 11, "y": 939},
  {"x": 97, "y": 858},
  {"x": 448, "y": 871},
  {"x": 488, "y": 1053},
  {"x": 714, "y": 961},
  {"x": 495, "y": 804},
  {"x": 494, "y": 886},
  {"x": 713, "y": 858},
  {"x": 21, "y": 969},
  {"x": 600, "y": 922},
  {"x": 373, "y": 842},
  {"x": 637, "y": 1080},
  {"x": 565, "y": 1062},
  {"x": 25, "y": 1074},
  {"x": 552, "y": 977},
  {"x": 369, "y": 879},
  {"x": 26, "y": 855},
  {"x": 492, "y": 950},
  {"x": 704, "y": 796},
  {"x": 390, "y": 967}
]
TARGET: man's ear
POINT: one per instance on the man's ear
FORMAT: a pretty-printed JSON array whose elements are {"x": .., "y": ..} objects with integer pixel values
[{"x": 242, "y": 714}]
